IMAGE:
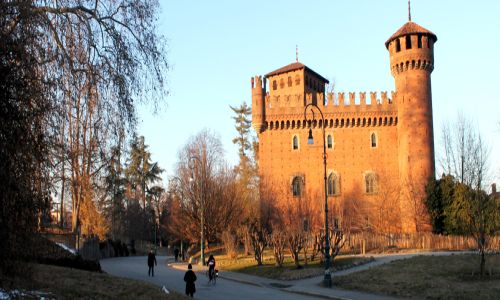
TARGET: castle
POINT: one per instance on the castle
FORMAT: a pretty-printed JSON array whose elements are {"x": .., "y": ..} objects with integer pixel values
[{"x": 379, "y": 147}]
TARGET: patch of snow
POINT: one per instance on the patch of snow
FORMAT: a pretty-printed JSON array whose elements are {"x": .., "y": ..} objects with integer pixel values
[
  {"x": 73, "y": 251},
  {"x": 165, "y": 290},
  {"x": 19, "y": 294},
  {"x": 4, "y": 295}
]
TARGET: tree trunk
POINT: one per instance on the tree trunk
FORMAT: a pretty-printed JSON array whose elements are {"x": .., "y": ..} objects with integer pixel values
[{"x": 482, "y": 262}]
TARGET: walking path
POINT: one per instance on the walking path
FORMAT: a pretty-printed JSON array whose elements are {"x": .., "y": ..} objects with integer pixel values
[{"x": 312, "y": 286}]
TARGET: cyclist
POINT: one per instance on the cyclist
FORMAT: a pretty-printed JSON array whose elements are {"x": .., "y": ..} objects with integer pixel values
[{"x": 211, "y": 267}]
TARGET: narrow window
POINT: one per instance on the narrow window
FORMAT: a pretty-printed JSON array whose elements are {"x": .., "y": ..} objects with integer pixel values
[
  {"x": 419, "y": 41},
  {"x": 297, "y": 186},
  {"x": 374, "y": 140},
  {"x": 289, "y": 81},
  {"x": 370, "y": 183},
  {"x": 295, "y": 143},
  {"x": 408, "y": 42},
  {"x": 398, "y": 45},
  {"x": 333, "y": 185},
  {"x": 329, "y": 142},
  {"x": 275, "y": 85},
  {"x": 282, "y": 83},
  {"x": 297, "y": 80}
]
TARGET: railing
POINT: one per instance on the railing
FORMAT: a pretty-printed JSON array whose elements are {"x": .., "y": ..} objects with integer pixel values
[{"x": 364, "y": 242}]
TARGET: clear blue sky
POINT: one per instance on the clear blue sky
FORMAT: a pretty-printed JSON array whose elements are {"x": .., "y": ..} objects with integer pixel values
[{"x": 215, "y": 47}]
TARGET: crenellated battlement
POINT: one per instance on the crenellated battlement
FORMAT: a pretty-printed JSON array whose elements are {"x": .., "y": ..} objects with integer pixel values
[
  {"x": 256, "y": 82},
  {"x": 359, "y": 99},
  {"x": 341, "y": 102}
]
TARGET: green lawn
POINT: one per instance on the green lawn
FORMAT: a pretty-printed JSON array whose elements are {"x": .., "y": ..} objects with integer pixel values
[
  {"x": 248, "y": 265},
  {"x": 430, "y": 277},
  {"x": 65, "y": 283}
]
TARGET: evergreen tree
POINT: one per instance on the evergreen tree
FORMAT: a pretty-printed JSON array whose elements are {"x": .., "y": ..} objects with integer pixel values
[
  {"x": 141, "y": 171},
  {"x": 247, "y": 181},
  {"x": 243, "y": 125},
  {"x": 114, "y": 202},
  {"x": 141, "y": 174}
]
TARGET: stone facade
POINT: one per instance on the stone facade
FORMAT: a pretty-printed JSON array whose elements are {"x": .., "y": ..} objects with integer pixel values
[{"x": 379, "y": 146}]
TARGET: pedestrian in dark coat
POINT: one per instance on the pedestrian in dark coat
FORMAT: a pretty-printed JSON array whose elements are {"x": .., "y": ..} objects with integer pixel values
[
  {"x": 176, "y": 254},
  {"x": 190, "y": 278},
  {"x": 151, "y": 263}
]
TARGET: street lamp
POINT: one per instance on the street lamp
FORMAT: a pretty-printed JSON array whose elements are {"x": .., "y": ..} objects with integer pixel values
[
  {"x": 327, "y": 280},
  {"x": 192, "y": 159},
  {"x": 182, "y": 201}
]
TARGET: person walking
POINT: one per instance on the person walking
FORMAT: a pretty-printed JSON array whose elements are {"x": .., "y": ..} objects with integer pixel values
[
  {"x": 176, "y": 254},
  {"x": 151, "y": 263},
  {"x": 190, "y": 278}
]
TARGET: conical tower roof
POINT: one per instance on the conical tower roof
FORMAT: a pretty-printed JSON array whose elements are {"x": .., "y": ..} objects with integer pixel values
[{"x": 410, "y": 28}]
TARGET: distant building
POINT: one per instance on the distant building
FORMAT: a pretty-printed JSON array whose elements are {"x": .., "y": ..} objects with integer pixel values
[{"x": 380, "y": 147}]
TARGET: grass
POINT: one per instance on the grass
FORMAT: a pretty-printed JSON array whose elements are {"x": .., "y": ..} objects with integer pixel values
[
  {"x": 65, "y": 283},
  {"x": 430, "y": 277},
  {"x": 248, "y": 265}
]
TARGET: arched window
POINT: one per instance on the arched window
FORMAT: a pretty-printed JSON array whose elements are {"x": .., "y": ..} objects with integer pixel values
[
  {"x": 275, "y": 85},
  {"x": 297, "y": 79},
  {"x": 289, "y": 80},
  {"x": 373, "y": 140},
  {"x": 297, "y": 184},
  {"x": 333, "y": 184},
  {"x": 282, "y": 83},
  {"x": 295, "y": 143},
  {"x": 329, "y": 142},
  {"x": 370, "y": 183}
]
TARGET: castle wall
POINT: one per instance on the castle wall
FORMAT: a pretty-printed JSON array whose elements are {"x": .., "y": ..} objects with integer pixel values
[{"x": 351, "y": 156}]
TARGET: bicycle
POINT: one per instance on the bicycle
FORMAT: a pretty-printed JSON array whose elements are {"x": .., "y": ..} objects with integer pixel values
[{"x": 212, "y": 275}]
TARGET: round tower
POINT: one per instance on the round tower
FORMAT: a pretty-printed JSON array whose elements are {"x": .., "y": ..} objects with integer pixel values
[
  {"x": 411, "y": 51},
  {"x": 258, "y": 105}
]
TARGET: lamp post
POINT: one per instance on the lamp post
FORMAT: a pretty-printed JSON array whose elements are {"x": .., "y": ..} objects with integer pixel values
[
  {"x": 327, "y": 280},
  {"x": 182, "y": 199},
  {"x": 192, "y": 159}
]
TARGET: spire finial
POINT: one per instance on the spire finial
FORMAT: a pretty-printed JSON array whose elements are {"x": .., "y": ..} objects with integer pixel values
[
  {"x": 296, "y": 53},
  {"x": 409, "y": 11}
]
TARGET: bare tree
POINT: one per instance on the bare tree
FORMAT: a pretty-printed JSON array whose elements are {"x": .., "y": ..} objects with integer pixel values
[
  {"x": 386, "y": 218},
  {"x": 277, "y": 240},
  {"x": 259, "y": 236},
  {"x": 96, "y": 60},
  {"x": 295, "y": 238},
  {"x": 209, "y": 190},
  {"x": 467, "y": 159},
  {"x": 461, "y": 142}
]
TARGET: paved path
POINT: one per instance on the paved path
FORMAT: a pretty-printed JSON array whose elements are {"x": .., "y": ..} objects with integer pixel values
[
  {"x": 172, "y": 279},
  {"x": 233, "y": 285}
]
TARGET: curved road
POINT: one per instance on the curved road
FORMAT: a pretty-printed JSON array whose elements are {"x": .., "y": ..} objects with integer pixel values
[{"x": 136, "y": 268}]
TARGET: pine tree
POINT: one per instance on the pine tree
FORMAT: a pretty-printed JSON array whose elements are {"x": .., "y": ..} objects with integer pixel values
[
  {"x": 243, "y": 124},
  {"x": 141, "y": 174}
]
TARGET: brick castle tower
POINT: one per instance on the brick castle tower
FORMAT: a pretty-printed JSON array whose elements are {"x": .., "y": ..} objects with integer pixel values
[{"x": 380, "y": 149}]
